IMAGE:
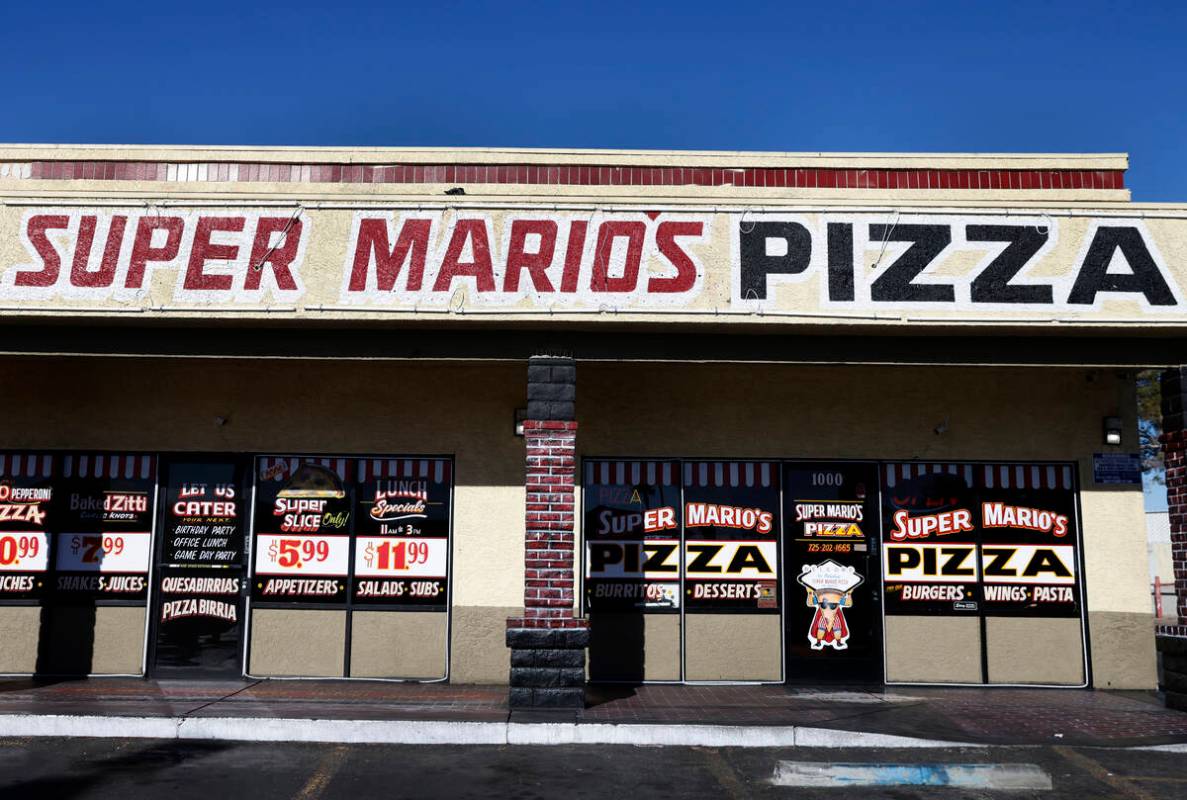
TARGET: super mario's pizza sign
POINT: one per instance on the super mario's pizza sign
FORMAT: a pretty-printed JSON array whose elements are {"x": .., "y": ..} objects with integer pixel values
[
  {"x": 998, "y": 539},
  {"x": 532, "y": 259}
]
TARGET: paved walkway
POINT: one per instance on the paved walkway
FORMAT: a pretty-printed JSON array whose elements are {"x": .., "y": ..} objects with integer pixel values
[{"x": 975, "y": 716}]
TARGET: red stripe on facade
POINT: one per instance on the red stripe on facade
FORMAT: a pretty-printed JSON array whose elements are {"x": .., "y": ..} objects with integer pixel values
[{"x": 583, "y": 175}]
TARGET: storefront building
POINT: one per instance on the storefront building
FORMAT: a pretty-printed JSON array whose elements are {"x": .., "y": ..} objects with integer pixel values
[{"x": 549, "y": 417}]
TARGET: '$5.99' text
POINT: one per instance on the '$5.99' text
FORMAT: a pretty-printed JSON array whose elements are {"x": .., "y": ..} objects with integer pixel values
[{"x": 296, "y": 552}]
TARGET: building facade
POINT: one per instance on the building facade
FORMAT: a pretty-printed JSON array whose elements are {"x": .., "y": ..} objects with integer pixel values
[{"x": 565, "y": 415}]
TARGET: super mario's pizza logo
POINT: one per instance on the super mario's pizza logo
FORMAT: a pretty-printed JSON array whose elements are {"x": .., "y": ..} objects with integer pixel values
[{"x": 830, "y": 590}]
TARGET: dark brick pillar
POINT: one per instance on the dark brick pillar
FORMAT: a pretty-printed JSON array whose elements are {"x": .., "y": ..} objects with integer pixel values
[
  {"x": 1172, "y": 636},
  {"x": 1174, "y": 448},
  {"x": 548, "y": 642}
]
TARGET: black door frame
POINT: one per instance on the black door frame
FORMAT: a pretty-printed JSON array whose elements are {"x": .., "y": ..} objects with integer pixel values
[
  {"x": 164, "y": 462},
  {"x": 872, "y": 588}
]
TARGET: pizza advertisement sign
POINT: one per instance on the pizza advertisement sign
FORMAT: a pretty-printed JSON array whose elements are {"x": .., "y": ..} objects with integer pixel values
[
  {"x": 992, "y": 539},
  {"x": 731, "y": 536},
  {"x": 26, "y": 517},
  {"x": 352, "y": 531},
  {"x": 1029, "y": 541},
  {"x": 401, "y": 545},
  {"x": 106, "y": 508},
  {"x": 632, "y": 520},
  {"x": 301, "y": 518}
]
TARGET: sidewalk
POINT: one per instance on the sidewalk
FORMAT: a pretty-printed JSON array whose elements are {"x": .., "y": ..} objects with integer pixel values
[{"x": 443, "y": 713}]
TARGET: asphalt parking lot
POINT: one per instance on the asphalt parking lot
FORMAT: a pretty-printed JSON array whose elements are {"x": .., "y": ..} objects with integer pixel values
[{"x": 115, "y": 768}]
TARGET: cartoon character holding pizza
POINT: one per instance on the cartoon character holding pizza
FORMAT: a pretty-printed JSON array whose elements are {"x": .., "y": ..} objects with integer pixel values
[{"x": 830, "y": 590}]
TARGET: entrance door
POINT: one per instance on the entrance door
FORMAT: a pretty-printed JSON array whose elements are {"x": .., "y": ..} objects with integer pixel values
[
  {"x": 832, "y": 619},
  {"x": 198, "y": 576}
]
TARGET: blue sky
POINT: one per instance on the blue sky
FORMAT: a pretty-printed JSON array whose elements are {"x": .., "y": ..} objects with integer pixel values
[
  {"x": 909, "y": 76},
  {"x": 1034, "y": 76}
]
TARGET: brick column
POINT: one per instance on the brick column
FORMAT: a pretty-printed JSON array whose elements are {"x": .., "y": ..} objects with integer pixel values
[
  {"x": 548, "y": 642},
  {"x": 1174, "y": 448},
  {"x": 1172, "y": 636}
]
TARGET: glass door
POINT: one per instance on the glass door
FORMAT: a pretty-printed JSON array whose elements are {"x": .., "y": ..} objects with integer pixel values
[
  {"x": 832, "y": 618},
  {"x": 199, "y": 579}
]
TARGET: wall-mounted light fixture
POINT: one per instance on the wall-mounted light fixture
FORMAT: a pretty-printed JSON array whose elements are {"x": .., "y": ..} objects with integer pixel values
[
  {"x": 1113, "y": 430},
  {"x": 520, "y": 415}
]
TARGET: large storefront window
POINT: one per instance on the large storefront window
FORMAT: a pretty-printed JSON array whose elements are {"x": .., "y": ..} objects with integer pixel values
[
  {"x": 682, "y": 569},
  {"x": 832, "y": 572},
  {"x": 982, "y": 575},
  {"x": 344, "y": 574},
  {"x": 76, "y": 533},
  {"x": 351, "y": 558}
]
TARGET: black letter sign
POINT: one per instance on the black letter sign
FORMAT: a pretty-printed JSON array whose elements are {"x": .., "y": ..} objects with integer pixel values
[
  {"x": 1145, "y": 277},
  {"x": 894, "y": 285},
  {"x": 757, "y": 265},
  {"x": 993, "y": 284}
]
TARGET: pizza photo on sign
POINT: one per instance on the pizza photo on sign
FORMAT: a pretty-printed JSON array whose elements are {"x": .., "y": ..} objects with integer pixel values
[
  {"x": 830, "y": 591},
  {"x": 313, "y": 482}
]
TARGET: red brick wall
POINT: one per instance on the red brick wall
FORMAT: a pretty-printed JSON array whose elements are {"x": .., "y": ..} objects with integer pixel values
[
  {"x": 1174, "y": 445},
  {"x": 577, "y": 175},
  {"x": 549, "y": 564}
]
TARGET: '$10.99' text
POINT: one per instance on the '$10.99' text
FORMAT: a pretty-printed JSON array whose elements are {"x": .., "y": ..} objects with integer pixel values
[{"x": 14, "y": 549}]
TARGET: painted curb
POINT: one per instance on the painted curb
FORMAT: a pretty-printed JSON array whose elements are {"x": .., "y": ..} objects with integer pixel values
[
  {"x": 1163, "y": 748},
  {"x": 992, "y": 777},
  {"x": 250, "y": 729}
]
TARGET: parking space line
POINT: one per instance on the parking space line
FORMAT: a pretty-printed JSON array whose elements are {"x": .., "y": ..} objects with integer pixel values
[
  {"x": 329, "y": 765},
  {"x": 1102, "y": 774},
  {"x": 723, "y": 773}
]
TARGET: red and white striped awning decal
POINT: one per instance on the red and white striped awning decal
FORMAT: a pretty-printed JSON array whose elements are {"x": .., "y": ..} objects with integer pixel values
[
  {"x": 126, "y": 466},
  {"x": 437, "y": 470},
  {"x": 901, "y": 473},
  {"x": 280, "y": 467},
  {"x": 1027, "y": 476},
  {"x": 630, "y": 473},
  {"x": 26, "y": 465},
  {"x": 730, "y": 473},
  {"x": 986, "y": 476}
]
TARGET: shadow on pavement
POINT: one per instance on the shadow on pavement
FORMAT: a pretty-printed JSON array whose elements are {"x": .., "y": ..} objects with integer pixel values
[{"x": 85, "y": 776}]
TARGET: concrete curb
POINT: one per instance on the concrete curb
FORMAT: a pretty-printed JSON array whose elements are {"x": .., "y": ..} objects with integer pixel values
[{"x": 250, "y": 729}]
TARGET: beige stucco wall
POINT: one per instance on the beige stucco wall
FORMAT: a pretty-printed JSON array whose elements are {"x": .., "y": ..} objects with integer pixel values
[
  {"x": 933, "y": 650},
  {"x": 629, "y": 647},
  {"x": 407, "y": 644},
  {"x": 108, "y": 640},
  {"x": 1020, "y": 650},
  {"x": 297, "y": 643},
  {"x": 20, "y": 627},
  {"x": 732, "y": 647}
]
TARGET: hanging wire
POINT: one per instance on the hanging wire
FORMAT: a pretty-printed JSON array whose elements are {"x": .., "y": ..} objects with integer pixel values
[{"x": 284, "y": 236}]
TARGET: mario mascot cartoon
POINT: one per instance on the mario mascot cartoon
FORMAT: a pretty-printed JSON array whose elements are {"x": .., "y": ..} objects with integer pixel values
[{"x": 830, "y": 590}]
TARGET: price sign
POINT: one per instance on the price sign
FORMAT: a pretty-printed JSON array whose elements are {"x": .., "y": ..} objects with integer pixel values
[
  {"x": 400, "y": 571},
  {"x": 24, "y": 552},
  {"x": 125, "y": 553},
  {"x": 386, "y": 556},
  {"x": 302, "y": 555}
]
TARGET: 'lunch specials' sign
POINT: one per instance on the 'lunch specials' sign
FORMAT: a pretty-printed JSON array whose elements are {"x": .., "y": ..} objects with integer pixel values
[{"x": 756, "y": 264}]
